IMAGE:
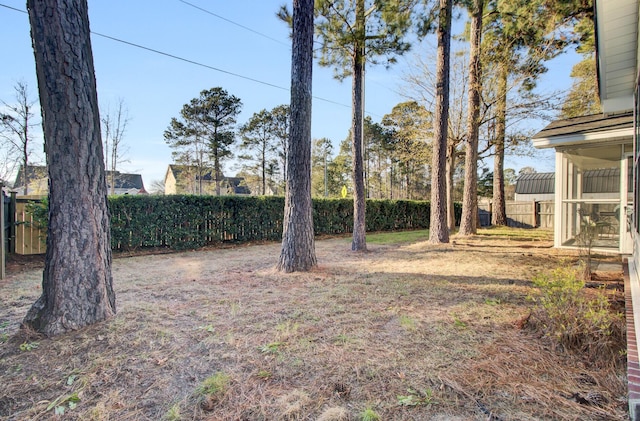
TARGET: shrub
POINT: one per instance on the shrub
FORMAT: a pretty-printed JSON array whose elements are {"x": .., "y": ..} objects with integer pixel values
[
  {"x": 577, "y": 320},
  {"x": 188, "y": 222},
  {"x": 39, "y": 210}
]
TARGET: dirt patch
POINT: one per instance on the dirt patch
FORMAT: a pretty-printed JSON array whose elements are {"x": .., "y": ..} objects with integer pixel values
[{"x": 412, "y": 332}]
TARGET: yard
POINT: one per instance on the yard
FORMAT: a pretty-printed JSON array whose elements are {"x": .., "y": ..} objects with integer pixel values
[{"x": 406, "y": 331}]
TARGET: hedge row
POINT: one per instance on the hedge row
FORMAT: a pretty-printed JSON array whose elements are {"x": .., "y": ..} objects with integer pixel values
[{"x": 187, "y": 222}]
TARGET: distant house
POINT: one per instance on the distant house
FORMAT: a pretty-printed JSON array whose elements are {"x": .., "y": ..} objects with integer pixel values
[
  {"x": 185, "y": 179},
  {"x": 125, "y": 183},
  {"x": 39, "y": 181}
]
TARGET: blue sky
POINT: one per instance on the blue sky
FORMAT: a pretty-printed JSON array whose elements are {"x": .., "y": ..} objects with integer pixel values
[{"x": 154, "y": 87}]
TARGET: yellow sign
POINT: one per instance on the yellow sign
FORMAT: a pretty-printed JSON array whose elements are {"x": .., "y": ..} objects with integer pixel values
[{"x": 344, "y": 191}]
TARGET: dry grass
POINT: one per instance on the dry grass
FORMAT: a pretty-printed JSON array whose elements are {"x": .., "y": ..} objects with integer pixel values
[{"x": 436, "y": 325}]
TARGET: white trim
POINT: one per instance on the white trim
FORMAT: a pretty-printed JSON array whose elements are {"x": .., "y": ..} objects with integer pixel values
[
  {"x": 559, "y": 190},
  {"x": 617, "y": 104},
  {"x": 580, "y": 139}
]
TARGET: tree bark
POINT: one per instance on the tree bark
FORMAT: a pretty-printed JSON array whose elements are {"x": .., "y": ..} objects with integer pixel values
[
  {"x": 359, "y": 242},
  {"x": 77, "y": 283},
  {"x": 499, "y": 214},
  {"x": 451, "y": 168},
  {"x": 469, "y": 220},
  {"x": 438, "y": 231},
  {"x": 298, "y": 245}
]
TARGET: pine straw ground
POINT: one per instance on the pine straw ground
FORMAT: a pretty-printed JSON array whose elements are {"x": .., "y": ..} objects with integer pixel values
[{"x": 411, "y": 331}]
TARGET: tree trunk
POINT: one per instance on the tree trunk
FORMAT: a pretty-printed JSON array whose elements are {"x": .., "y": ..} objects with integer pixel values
[
  {"x": 264, "y": 169},
  {"x": 451, "y": 169},
  {"x": 25, "y": 172},
  {"x": 77, "y": 284},
  {"x": 438, "y": 231},
  {"x": 499, "y": 214},
  {"x": 298, "y": 245},
  {"x": 216, "y": 172},
  {"x": 359, "y": 242},
  {"x": 468, "y": 222}
]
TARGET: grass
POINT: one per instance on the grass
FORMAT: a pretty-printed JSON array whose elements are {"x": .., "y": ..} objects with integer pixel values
[
  {"x": 216, "y": 384},
  {"x": 404, "y": 332},
  {"x": 516, "y": 234},
  {"x": 398, "y": 237}
]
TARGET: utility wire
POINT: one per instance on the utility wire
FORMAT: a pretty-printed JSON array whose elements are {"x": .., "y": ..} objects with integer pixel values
[
  {"x": 186, "y": 60},
  {"x": 196, "y": 63},
  {"x": 13, "y": 8},
  {"x": 234, "y": 23}
]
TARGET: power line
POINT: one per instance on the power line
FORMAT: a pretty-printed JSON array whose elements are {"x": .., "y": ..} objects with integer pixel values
[
  {"x": 186, "y": 60},
  {"x": 13, "y": 8},
  {"x": 196, "y": 63},
  {"x": 234, "y": 23}
]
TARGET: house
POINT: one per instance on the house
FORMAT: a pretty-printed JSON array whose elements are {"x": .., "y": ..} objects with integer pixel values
[
  {"x": 39, "y": 181},
  {"x": 125, "y": 183},
  {"x": 593, "y": 178},
  {"x": 185, "y": 179},
  {"x": 606, "y": 144}
]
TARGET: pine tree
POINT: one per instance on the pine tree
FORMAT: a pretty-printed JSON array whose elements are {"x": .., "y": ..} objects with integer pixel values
[
  {"x": 346, "y": 46},
  {"x": 298, "y": 244},
  {"x": 77, "y": 282}
]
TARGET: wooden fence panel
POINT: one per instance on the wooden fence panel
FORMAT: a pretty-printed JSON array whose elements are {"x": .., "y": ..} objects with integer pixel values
[
  {"x": 29, "y": 239},
  {"x": 520, "y": 214},
  {"x": 546, "y": 210}
]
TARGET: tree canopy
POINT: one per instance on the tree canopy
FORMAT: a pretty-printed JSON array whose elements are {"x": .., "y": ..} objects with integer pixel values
[{"x": 203, "y": 133}]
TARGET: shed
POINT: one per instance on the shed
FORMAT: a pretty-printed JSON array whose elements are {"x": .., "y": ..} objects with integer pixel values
[{"x": 535, "y": 187}]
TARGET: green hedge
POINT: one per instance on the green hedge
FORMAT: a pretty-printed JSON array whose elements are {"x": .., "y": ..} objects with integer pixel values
[{"x": 187, "y": 222}]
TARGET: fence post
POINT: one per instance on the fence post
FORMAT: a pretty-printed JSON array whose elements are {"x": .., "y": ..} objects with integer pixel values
[
  {"x": 12, "y": 222},
  {"x": 3, "y": 234},
  {"x": 536, "y": 214}
]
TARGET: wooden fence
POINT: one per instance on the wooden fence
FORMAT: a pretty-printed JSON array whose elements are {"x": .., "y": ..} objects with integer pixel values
[
  {"x": 520, "y": 214},
  {"x": 28, "y": 238}
]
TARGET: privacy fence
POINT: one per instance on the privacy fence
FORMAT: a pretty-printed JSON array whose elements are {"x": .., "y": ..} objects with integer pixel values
[
  {"x": 186, "y": 222},
  {"x": 528, "y": 214}
]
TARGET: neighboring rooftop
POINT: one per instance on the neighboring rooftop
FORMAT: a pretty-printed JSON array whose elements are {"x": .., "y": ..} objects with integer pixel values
[
  {"x": 123, "y": 183},
  {"x": 605, "y": 180},
  {"x": 536, "y": 183}
]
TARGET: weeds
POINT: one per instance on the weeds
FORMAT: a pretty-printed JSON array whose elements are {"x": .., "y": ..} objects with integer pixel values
[
  {"x": 369, "y": 415},
  {"x": 407, "y": 323},
  {"x": 60, "y": 404},
  {"x": 271, "y": 348},
  {"x": 28, "y": 346},
  {"x": 265, "y": 374},
  {"x": 417, "y": 398},
  {"x": 173, "y": 414},
  {"x": 574, "y": 320},
  {"x": 214, "y": 385}
]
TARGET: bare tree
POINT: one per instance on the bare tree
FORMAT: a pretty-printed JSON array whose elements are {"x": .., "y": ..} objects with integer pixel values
[
  {"x": 17, "y": 122},
  {"x": 77, "y": 285},
  {"x": 114, "y": 124},
  {"x": 421, "y": 86},
  {"x": 157, "y": 187}
]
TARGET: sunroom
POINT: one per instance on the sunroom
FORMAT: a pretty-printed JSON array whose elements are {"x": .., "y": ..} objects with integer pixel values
[{"x": 594, "y": 180}]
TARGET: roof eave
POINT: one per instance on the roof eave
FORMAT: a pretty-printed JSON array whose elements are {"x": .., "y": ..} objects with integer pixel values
[{"x": 576, "y": 139}]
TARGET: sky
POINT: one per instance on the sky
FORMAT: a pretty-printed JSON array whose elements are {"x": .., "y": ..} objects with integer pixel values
[{"x": 238, "y": 45}]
